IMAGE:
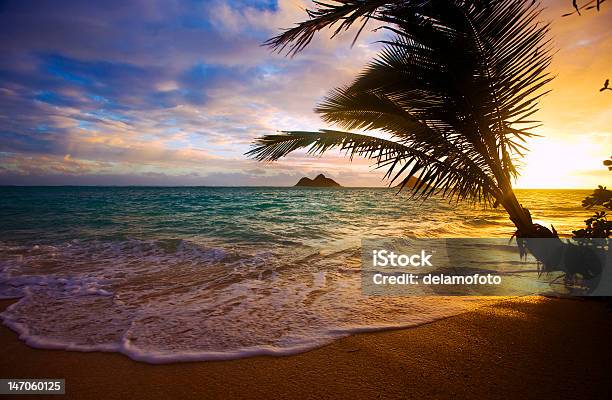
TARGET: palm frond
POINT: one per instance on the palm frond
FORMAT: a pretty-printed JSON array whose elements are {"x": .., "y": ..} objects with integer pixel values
[
  {"x": 273, "y": 147},
  {"x": 434, "y": 171},
  {"x": 456, "y": 87},
  {"x": 343, "y": 13}
]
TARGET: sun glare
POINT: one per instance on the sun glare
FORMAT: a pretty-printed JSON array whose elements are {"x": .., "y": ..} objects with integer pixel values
[{"x": 554, "y": 163}]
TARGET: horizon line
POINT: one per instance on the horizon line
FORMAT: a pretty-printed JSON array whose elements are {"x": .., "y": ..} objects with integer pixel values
[{"x": 250, "y": 186}]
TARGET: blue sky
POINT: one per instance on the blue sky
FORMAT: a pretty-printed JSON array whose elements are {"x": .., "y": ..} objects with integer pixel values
[{"x": 173, "y": 93}]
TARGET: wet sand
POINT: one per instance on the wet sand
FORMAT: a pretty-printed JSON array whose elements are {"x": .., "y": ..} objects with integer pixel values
[{"x": 528, "y": 348}]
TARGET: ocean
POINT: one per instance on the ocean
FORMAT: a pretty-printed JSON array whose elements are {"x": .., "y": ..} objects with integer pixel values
[{"x": 201, "y": 273}]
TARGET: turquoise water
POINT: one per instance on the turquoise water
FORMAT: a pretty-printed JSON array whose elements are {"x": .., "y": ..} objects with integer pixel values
[
  {"x": 196, "y": 273},
  {"x": 266, "y": 216}
]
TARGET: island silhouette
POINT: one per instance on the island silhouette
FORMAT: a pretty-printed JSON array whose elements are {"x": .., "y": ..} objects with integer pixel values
[{"x": 320, "y": 181}]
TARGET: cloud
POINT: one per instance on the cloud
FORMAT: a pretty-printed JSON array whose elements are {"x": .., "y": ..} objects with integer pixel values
[{"x": 160, "y": 89}]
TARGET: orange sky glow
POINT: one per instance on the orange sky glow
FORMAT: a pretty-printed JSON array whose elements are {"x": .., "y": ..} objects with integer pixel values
[{"x": 576, "y": 116}]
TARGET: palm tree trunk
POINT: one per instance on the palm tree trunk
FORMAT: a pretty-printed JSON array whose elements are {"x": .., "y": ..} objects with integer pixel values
[
  {"x": 519, "y": 215},
  {"x": 538, "y": 240}
]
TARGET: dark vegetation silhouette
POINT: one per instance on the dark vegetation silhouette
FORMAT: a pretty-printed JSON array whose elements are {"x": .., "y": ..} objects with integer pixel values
[
  {"x": 606, "y": 86},
  {"x": 598, "y": 225},
  {"x": 585, "y": 257}
]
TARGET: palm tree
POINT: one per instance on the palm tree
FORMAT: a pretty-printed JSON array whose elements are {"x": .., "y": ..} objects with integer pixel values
[{"x": 451, "y": 96}]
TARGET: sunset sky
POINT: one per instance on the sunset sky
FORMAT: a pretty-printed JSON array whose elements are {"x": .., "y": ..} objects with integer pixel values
[{"x": 173, "y": 92}]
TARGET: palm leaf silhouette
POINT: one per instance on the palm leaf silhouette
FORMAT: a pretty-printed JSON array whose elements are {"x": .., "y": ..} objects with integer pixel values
[{"x": 453, "y": 91}]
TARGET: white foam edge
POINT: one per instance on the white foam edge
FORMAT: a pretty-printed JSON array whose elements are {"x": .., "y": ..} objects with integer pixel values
[{"x": 158, "y": 357}]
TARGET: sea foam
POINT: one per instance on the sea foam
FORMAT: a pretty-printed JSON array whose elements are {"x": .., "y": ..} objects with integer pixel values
[{"x": 162, "y": 301}]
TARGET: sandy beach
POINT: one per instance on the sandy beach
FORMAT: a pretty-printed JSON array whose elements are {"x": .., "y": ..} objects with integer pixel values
[{"x": 537, "y": 348}]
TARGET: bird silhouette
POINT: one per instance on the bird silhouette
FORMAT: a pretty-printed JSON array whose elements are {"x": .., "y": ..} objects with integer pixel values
[
  {"x": 605, "y": 86},
  {"x": 575, "y": 4}
]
